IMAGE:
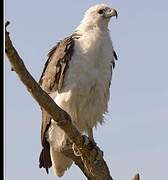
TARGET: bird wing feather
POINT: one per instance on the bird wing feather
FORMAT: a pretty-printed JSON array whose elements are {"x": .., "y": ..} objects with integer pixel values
[{"x": 51, "y": 80}]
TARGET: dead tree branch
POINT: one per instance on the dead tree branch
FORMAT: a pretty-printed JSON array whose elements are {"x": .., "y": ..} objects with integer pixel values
[{"x": 90, "y": 161}]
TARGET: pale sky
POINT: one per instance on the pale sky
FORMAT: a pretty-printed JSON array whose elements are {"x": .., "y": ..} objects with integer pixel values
[{"x": 135, "y": 136}]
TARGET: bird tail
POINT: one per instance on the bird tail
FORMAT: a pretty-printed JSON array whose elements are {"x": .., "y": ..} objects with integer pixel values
[
  {"x": 45, "y": 159},
  {"x": 60, "y": 163}
]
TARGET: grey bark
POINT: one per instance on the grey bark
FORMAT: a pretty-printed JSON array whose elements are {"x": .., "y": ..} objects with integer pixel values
[
  {"x": 90, "y": 157},
  {"x": 91, "y": 161}
]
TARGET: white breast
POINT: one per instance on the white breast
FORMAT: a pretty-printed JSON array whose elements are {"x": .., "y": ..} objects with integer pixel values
[{"x": 85, "y": 92}]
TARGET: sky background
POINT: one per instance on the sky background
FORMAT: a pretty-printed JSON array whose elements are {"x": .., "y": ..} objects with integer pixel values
[{"x": 135, "y": 136}]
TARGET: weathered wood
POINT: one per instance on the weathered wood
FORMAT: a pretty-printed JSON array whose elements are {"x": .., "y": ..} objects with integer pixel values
[
  {"x": 92, "y": 163},
  {"x": 90, "y": 159}
]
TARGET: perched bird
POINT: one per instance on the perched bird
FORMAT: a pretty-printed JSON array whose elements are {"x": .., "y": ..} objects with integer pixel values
[{"x": 77, "y": 75}]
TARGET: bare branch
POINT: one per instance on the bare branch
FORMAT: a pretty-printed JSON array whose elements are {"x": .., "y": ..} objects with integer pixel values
[
  {"x": 67, "y": 151},
  {"x": 92, "y": 163}
]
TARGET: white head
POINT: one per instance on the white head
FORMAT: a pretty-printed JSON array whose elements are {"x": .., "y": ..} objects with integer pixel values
[{"x": 97, "y": 16}]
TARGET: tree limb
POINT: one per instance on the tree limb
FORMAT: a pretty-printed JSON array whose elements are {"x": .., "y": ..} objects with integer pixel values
[{"x": 90, "y": 161}]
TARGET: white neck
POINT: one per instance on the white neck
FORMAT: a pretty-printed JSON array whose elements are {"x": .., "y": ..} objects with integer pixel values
[{"x": 89, "y": 25}]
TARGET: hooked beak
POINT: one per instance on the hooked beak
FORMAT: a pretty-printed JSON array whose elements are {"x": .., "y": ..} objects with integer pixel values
[
  {"x": 114, "y": 13},
  {"x": 111, "y": 12}
]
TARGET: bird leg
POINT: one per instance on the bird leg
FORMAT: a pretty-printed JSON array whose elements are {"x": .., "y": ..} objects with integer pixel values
[
  {"x": 91, "y": 142},
  {"x": 90, "y": 134},
  {"x": 88, "y": 141}
]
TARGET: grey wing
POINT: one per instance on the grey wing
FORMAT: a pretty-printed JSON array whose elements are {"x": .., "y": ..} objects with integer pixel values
[
  {"x": 51, "y": 80},
  {"x": 53, "y": 74},
  {"x": 45, "y": 159}
]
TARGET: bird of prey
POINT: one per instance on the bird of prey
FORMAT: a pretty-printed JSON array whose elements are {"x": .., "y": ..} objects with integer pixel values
[{"x": 77, "y": 75}]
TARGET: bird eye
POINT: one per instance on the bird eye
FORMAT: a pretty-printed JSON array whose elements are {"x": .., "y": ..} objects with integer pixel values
[{"x": 100, "y": 11}]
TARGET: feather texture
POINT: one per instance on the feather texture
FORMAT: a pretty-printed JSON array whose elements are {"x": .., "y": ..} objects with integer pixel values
[{"x": 77, "y": 75}]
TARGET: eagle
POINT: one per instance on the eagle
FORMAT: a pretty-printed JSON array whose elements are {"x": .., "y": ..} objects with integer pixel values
[{"x": 77, "y": 76}]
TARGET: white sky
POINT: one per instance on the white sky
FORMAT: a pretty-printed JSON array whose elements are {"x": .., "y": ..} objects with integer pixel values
[{"x": 135, "y": 137}]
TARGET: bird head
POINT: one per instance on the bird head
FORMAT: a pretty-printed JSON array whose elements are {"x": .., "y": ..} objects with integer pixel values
[{"x": 98, "y": 15}]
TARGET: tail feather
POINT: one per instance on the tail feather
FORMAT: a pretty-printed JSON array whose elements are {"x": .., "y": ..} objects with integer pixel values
[
  {"x": 45, "y": 159},
  {"x": 60, "y": 163}
]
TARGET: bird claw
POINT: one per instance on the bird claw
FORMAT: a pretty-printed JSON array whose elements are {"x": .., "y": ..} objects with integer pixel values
[{"x": 89, "y": 142}]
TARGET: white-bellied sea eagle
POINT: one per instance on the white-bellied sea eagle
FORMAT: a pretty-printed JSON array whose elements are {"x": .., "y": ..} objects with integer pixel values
[{"x": 77, "y": 75}]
